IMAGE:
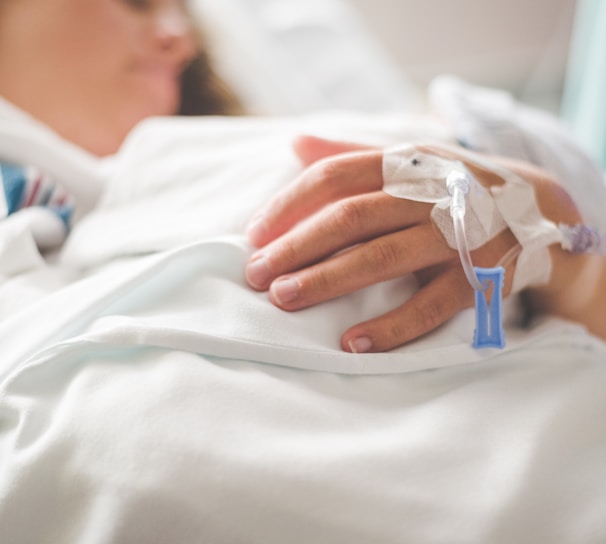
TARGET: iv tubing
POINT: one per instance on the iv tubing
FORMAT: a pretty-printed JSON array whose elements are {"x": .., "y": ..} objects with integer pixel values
[{"x": 458, "y": 186}]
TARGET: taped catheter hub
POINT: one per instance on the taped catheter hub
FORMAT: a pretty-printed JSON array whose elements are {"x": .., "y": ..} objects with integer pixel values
[
  {"x": 469, "y": 215},
  {"x": 458, "y": 183}
]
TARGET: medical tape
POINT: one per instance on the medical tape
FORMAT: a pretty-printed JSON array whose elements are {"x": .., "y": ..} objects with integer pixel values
[
  {"x": 582, "y": 239},
  {"x": 414, "y": 174}
]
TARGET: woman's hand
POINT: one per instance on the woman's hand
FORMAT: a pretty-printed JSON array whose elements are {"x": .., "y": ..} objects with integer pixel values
[{"x": 335, "y": 231}]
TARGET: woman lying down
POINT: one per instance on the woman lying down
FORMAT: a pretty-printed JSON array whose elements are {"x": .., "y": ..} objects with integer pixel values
[
  {"x": 357, "y": 215},
  {"x": 150, "y": 391},
  {"x": 391, "y": 208},
  {"x": 133, "y": 404},
  {"x": 149, "y": 394}
]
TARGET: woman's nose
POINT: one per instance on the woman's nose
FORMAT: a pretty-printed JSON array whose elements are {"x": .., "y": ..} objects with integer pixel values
[{"x": 175, "y": 34}]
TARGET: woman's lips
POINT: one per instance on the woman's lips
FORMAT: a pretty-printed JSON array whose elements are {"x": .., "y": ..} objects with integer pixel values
[
  {"x": 158, "y": 70},
  {"x": 162, "y": 81}
]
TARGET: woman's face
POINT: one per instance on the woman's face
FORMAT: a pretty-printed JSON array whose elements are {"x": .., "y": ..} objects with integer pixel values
[{"x": 91, "y": 69}]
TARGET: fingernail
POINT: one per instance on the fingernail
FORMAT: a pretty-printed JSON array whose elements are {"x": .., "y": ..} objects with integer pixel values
[
  {"x": 362, "y": 344},
  {"x": 258, "y": 272},
  {"x": 256, "y": 229},
  {"x": 286, "y": 291}
]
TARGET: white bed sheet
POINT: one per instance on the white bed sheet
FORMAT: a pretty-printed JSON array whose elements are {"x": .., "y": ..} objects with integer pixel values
[{"x": 147, "y": 395}]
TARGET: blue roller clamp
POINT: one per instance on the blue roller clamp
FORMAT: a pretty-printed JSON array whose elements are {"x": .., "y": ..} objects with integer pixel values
[{"x": 489, "y": 331}]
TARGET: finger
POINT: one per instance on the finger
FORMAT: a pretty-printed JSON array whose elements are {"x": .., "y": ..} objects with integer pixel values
[
  {"x": 324, "y": 182},
  {"x": 378, "y": 260},
  {"x": 445, "y": 291},
  {"x": 337, "y": 227},
  {"x": 310, "y": 149},
  {"x": 427, "y": 309}
]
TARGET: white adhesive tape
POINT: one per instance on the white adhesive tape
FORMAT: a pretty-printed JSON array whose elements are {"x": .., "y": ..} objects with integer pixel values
[{"x": 417, "y": 175}]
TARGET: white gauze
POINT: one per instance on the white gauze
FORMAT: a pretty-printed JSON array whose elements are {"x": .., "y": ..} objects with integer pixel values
[{"x": 421, "y": 176}]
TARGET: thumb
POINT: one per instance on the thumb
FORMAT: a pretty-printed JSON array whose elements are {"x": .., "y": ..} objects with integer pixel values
[{"x": 310, "y": 149}]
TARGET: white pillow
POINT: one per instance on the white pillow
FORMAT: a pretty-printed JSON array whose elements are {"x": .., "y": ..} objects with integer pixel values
[{"x": 287, "y": 56}]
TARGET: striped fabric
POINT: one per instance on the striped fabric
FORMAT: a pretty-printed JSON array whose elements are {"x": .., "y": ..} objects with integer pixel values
[{"x": 27, "y": 186}]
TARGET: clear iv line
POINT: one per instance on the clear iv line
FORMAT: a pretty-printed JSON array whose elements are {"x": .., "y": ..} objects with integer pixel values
[
  {"x": 458, "y": 185},
  {"x": 489, "y": 331}
]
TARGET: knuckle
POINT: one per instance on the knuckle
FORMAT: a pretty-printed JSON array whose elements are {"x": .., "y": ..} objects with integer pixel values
[
  {"x": 286, "y": 255},
  {"x": 329, "y": 173},
  {"x": 383, "y": 254},
  {"x": 396, "y": 334},
  {"x": 327, "y": 284},
  {"x": 429, "y": 316},
  {"x": 321, "y": 282},
  {"x": 347, "y": 215},
  {"x": 328, "y": 169}
]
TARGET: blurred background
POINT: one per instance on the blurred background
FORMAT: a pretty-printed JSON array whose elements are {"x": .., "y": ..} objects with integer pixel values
[
  {"x": 297, "y": 55},
  {"x": 518, "y": 45}
]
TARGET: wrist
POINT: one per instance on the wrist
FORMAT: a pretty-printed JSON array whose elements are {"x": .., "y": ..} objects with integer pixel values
[{"x": 576, "y": 290}]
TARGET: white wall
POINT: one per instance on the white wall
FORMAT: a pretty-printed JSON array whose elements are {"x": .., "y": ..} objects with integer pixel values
[
  {"x": 296, "y": 56},
  {"x": 520, "y": 45}
]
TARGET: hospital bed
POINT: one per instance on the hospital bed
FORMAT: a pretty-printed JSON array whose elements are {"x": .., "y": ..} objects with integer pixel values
[{"x": 147, "y": 395}]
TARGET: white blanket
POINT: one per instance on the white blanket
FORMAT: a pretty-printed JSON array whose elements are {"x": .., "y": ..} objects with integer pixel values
[{"x": 147, "y": 395}]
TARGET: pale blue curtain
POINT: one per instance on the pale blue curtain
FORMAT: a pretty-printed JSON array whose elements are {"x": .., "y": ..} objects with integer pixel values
[{"x": 584, "y": 102}]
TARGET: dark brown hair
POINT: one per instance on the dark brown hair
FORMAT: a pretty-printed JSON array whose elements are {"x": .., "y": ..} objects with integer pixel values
[{"x": 203, "y": 91}]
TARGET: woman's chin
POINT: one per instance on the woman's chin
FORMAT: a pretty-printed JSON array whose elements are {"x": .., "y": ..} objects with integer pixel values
[
  {"x": 159, "y": 94},
  {"x": 165, "y": 105}
]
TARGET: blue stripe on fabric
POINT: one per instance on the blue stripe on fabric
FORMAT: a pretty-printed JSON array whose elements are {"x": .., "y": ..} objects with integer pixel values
[
  {"x": 13, "y": 181},
  {"x": 65, "y": 213}
]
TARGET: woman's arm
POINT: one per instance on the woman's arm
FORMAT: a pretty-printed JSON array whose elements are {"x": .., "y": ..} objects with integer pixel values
[{"x": 577, "y": 287}]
